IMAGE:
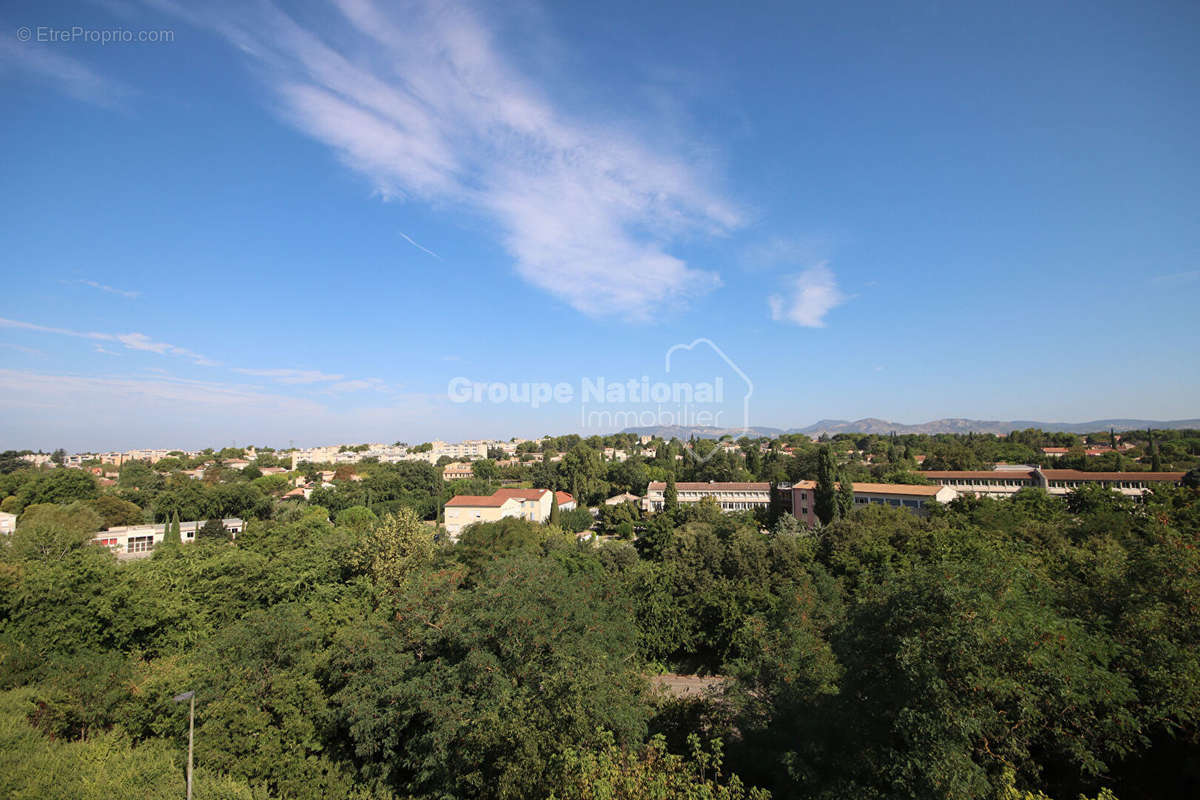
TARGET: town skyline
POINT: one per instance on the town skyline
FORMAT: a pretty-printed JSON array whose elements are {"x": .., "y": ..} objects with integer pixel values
[{"x": 866, "y": 426}]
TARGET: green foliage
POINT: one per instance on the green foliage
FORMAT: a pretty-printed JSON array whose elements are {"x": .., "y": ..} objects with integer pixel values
[
  {"x": 576, "y": 520},
  {"x": 212, "y": 531},
  {"x": 670, "y": 494},
  {"x": 613, "y": 518},
  {"x": 47, "y": 532},
  {"x": 171, "y": 537},
  {"x": 58, "y": 486},
  {"x": 114, "y": 511},
  {"x": 825, "y": 501},
  {"x": 360, "y": 518},
  {"x": 105, "y": 766},
  {"x": 649, "y": 773},
  {"x": 996, "y": 649},
  {"x": 473, "y": 690},
  {"x": 396, "y": 547},
  {"x": 845, "y": 495}
]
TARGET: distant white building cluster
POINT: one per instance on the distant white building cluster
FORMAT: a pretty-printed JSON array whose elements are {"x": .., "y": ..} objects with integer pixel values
[
  {"x": 114, "y": 458},
  {"x": 470, "y": 450}
]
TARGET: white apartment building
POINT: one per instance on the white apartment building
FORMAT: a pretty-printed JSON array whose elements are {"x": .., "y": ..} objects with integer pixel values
[
  {"x": 8, "y": 523},
  {"x": 475, "y": 448}
]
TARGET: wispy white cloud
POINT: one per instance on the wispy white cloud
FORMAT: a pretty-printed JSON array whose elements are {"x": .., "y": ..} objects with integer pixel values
[
  {"x": 424, "y": 104},
  {"x": 134, "y": 395},
  {"x": 111, "y": 290},
  {"x": 47, "y": 63},
  {"x": 20, "y": 348},
  {"x": 409, "y": 239},
  {"x": 809, "y": 297},
  {"x": 132, "y": 341},
  {"x": 291, "y": 376}
]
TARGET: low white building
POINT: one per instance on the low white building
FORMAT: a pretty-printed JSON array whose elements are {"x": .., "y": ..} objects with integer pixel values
[
  {"x": 730, "y": 496},
  {"x": 8, "y": 522},
  {"x": 137, "y": 541}
]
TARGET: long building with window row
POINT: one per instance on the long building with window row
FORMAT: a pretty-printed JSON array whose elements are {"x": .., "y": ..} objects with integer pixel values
[
  {"x": 897, "y": 495},
  {"x": 1007, "y": 482},
  {"x": 730, "y": 496},
  {"x": 138, "y": 541}
]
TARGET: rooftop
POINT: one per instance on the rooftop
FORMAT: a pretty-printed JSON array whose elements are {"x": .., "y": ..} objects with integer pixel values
[{"x": 712, "y": 486}]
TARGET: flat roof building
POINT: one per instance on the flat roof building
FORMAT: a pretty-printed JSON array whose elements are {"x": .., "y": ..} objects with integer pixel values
[
  {"x": 730, "y": 496},
  {"x": 898, "y": 495},
  {"x": 1007, "y": 482},
  {"x": 138, "y": 541}
]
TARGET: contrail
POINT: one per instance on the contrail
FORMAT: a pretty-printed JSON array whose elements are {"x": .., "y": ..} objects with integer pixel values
[{"x": 409, "y": 239}]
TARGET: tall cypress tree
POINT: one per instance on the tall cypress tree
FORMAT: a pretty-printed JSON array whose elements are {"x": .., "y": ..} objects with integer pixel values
[
  {"x": 554, "y": 514},
  {"x": 171, "y": 536},
  {"x": 825, "y": 495},
  {"x": 845, "y": 495},
  {"x": 670, "y": 493}
]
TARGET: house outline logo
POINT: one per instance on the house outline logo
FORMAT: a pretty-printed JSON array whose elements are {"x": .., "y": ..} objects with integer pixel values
[{"x": 745, "y": 429}]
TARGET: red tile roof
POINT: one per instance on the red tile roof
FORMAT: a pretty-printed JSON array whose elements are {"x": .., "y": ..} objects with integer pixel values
[
  {"x": 713, "y": 487},
  {"x": 897, "y": 488},
  {"x": 1080, "y": 475},
  {"x": 498, "y": 498},
  {"x": 476, "y": 500},
  {"x": 880, "y": 488},
  {"x": 521, "y": 494},
  {"x": 979, "y": 474}
]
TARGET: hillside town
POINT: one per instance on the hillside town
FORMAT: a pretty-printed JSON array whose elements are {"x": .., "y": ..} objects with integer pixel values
[{"x": 597, "y": 487}]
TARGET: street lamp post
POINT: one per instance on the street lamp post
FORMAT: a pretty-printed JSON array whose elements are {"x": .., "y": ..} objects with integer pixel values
[{"x": 191, "y": 698}]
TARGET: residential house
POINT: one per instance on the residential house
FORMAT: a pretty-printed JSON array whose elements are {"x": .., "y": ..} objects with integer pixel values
[
  {"x": 457, "y": 470},
  {"x": 530, "y": 504},
  {"x": 623, "y": 497}
]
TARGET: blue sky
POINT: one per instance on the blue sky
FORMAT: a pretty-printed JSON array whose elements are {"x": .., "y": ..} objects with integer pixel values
[{"x": 300, "y": 222}]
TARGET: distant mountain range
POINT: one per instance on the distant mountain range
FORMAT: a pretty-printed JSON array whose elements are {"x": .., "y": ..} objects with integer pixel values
[{"x": 882, "y": 426}]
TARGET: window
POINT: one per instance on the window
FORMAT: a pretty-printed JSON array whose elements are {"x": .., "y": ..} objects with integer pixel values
[{"x": 140, "y": 544}]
